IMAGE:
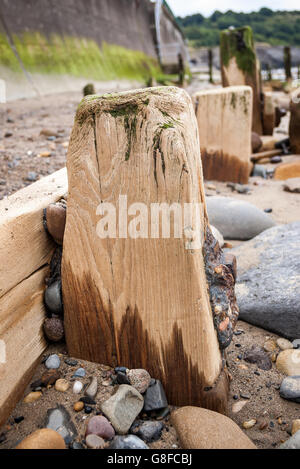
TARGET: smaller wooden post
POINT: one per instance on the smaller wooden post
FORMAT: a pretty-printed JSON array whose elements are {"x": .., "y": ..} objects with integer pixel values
[
  {"x": 239, "y": 66},
  {"x": 224, "y": 118},
  {"x": 287, "y": 63},
  {"x": 269, "y": 114},
  {"x": 269, "y": 72},
  {"x": 294, "y": 129},
  {"x": 210, "y": 65}
]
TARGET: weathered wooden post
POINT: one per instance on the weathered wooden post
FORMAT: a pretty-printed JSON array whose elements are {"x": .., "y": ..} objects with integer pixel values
[
  {"x": 142, "y": 297},
  {"x": 210, "y": 65},
  {"x": 240, "y": 66},
  {"x": 294, "y": 128},
  {"x": 224, "y": 117},
  {"x": 269, "y": 72},
  {"x": 287, "y": 63},
  {"x": 269, "y": 113}
]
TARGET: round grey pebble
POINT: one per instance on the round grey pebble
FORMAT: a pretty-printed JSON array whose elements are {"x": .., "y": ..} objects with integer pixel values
[
  {"x": 80, "y": 373},
  {"x": 53, "y": 298},
  {"x": 52, "y": 362}
]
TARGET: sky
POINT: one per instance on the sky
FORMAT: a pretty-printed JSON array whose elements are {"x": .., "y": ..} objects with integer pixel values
[{"x": 206, "y": 8}]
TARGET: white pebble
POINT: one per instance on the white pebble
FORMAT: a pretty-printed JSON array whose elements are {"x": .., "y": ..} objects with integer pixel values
[{"x": 77, "y": 387}]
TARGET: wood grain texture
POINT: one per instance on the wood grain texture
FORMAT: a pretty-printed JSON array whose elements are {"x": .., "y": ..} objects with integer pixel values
[
  {"x": 24, "y": 244},
  {"x": 138, "y": 302},
  {"x": 224, "y": 117},
  {"x": 21, "y": 317}
]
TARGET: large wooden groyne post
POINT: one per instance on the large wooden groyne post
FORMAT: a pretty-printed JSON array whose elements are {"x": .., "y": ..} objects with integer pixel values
[
  {"x": 239, "y": 66},
  {"x": 141, "y": 297}
]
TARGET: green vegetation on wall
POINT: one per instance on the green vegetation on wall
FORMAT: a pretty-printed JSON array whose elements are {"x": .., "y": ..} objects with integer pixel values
[
  {"x": 239, "y": 43},
  {"x": 78, "y": 57},
  {"x": 272, "y": 27}
]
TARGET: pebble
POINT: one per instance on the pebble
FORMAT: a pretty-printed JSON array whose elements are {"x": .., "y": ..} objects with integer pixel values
[
  {"x": 87, "y": 400},
  {"x": 139, "y": 379},
  {"x": 54, "y": 329},
  {"x": 19, "y": 419},
  {"x": 257, "y": 355},
  {"x": 32, "y": 176},
  {"x": 148, "y": 431},
  {"x": 295, "y": 426},
  {"x": 122, "y": 378},
  {"x": 290, "y": 388},
  {"x": 127, "y": 442},
  {"x": 199, "y": 428},
  {"x": 94, "y": 442},
  {"x": 276, "y": 159},
  {"x": 123, "y": 407},
  {"x": 55, "y": 221},
  {"x": 237, "y": 406},
  {"x": 87, "y": 409},
  {"x": 43, "y": 439},
  {"x": 59, "y": 420},
  {"x": 155, "y": 397},
  {"x": 245, "y": 396},
  {"x": 78, "y": 406},
  {"x": 32, "y": 397},
  {"x": 292, "y": 443},
  {"x": 77, "y": 387},
  {"x": 53, "y": 298},
  {"x": 52, "y": 362},
  {"x": 62, "y": 385},
  {"x": 99, "y": 425},
  {"x": 296, "y": 343},
  {"x": 284, "y": 344},
  {"x": 92, "y": 389},
  {"x": 80, "y": 373},
  {"x": 49, "y": 378},
  {"x": 249, "y": 424},
  {"x": 288, "y": 362},
  {"x": 270, "y": 345},
  {"x": 71, "y": 362}
]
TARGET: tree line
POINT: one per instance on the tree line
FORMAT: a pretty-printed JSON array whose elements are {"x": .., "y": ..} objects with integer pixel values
[{"x": 272, "y": 27}]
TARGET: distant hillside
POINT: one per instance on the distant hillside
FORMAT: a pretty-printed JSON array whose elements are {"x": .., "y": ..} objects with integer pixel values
[{"x": 272, "y": 27}]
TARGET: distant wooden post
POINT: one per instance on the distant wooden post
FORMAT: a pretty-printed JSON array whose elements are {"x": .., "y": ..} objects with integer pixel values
[
  {"x": 240, "y": 66},
  {"x": 287, "y": 63},
  {"x": 294, "y": 129},
  {"x": 224, "y": 117},
  {"x": 269, "y": 114},
  {"x": 131, "y": 300},
  {"x": 269, "y": 72},
  {"x": 210, "y": 65}
]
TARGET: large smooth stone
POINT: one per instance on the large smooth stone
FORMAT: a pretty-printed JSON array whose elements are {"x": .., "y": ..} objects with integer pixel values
[
  {"x": 292, "y": 443},
  {"x": 127, "y": 442},
  {"x": 199, "y": 428},
  {"x": 53, "y": 298},
  {"x": 236, "y": 219},
  {"x": 267, "y": 286},
  {"x": 43, "y": 439},
  {"x": 290, "y": 388},
  {"x": 288, "y": 362},
  {"x": 123, "y": 407},
  {"x": 100, "y": 426}
]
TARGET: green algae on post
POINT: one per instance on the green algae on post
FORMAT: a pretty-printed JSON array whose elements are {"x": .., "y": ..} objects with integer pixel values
[{"x": 238, "y": 43}]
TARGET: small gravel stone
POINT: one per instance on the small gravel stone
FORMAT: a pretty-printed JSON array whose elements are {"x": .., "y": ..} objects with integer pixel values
[
  {"x": 77, "y": 387},
  {"x": 92, "y": 389},
  {"x": 19, "y": 419},
  {"x": 62, "y": 385},
  {"x": 49, "y": 378},
  {"x": 155, "y": 397},
  {"x": 249, "y": 424},
  {"x": 78, "y": 406},
  {"x": 149, "y": 431},
  {"x": 99, "y": 425},
  {"x": 94, "y": 442},
  {"x": 290, "y": 388},
  {"x": 295, "y": 426},
  {"x": 122, "y": 378},
  {"x": 80, "y": 373},
  {"x": 284, "y": 344},
  {"x": 127, "y": 442},
  {"x": 52, "y": 362},
  {"x": 139, "y": 379},
  {"x": 54, "y": 329},
  {"x": 71, "y": 362},
  {"x": 32, "y": 397}
]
